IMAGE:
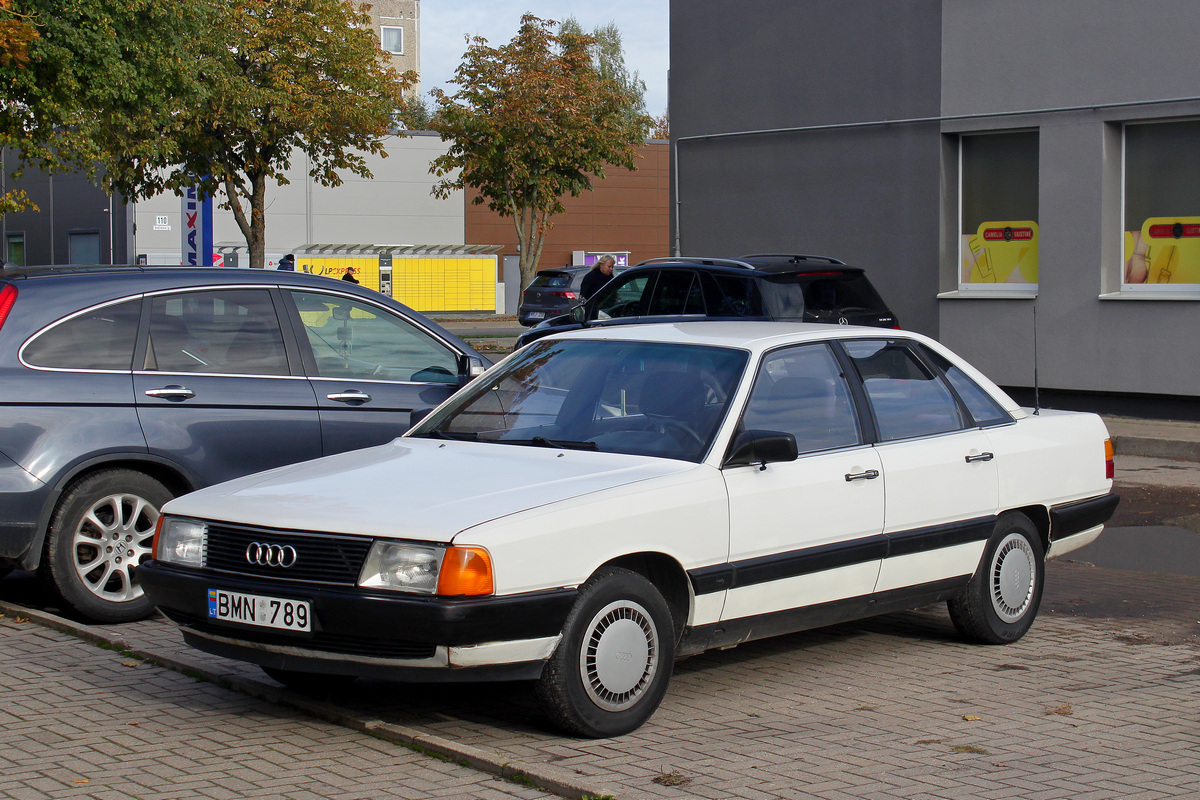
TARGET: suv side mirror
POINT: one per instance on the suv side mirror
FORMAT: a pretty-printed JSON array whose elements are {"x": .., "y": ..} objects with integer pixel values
[
  {"x": 470, "y": 368},
  {"x": 762, "y": 448},
  {"x": 579, "y": 313}
]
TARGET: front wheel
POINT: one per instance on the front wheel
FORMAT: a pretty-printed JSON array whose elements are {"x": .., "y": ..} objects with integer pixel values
[
  {"x": 611, "y": 669},
  {"x": 1002, "y": 599},
  {"x": 102, "y": 528}
]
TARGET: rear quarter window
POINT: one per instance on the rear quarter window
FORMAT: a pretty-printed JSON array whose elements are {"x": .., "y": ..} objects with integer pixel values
[{"x": 100, "y": 339}]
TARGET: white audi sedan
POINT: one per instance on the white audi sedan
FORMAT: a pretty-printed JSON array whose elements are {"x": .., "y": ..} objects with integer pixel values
[{"x": 603, "y": 502}]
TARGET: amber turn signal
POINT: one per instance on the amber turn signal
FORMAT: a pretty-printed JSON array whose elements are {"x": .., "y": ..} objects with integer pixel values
[
  {"x": 1110, "y": 469},
  {"x": 465, "y": 571}
]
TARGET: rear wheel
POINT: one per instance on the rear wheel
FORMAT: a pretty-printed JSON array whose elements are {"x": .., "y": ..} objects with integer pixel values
[
  {"x": 102, "y": 528},
  {"x": 611, "y": 669},
  {"x": 1002, "y": 599}
]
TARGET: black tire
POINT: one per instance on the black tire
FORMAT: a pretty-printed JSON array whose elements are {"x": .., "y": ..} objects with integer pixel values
[
  {"x": 308, "y": 682},
  {"x": 611, "y": 669},
  {"x": 1001, "y": 601},
  {"x": 101, "y": 529}
]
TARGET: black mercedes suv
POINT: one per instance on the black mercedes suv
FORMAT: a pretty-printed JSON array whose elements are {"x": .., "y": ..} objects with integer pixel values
[{"x": 766, "y": 286}]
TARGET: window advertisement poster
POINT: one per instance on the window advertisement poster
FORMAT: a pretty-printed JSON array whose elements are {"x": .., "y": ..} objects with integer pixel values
[
  {"x": 1166, "y": 250},
  {"x": 998, "y": 196},
  {"x": 1001, "y": 251},
  {"x": 1162, "y": 196}
]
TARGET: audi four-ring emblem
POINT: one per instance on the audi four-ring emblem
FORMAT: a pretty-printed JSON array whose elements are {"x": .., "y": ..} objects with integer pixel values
[{"x": 271, "y": 555}]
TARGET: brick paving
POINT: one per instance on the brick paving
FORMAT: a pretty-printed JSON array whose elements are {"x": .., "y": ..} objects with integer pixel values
[
  {"x": 79, "y": 721},
  {"x": 1100, "y": 700}
]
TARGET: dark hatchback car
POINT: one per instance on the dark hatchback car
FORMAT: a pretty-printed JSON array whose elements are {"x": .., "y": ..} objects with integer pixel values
[
  {"x": 552, "y": 293},
  {"x": 778, "y": 287},
  {"x": 124, "y": 387}
]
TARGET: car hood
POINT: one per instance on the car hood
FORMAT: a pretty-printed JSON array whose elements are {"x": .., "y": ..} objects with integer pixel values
[{"x": 423, "y": 489}]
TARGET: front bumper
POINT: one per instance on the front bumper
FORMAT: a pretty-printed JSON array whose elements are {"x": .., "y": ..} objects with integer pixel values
[{"x": 370, "y": 633}]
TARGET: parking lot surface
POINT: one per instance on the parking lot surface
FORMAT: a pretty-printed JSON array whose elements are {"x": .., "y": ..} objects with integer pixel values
[{"x": 1100, "y": 700}]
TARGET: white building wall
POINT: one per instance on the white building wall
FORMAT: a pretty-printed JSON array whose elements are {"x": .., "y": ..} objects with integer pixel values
[{"x": 394, "y": 207}]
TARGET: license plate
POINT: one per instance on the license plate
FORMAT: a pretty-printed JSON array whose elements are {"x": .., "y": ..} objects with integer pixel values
[
  {"x": 536, "y": 314},
  {"x": 266, "y": 612}
]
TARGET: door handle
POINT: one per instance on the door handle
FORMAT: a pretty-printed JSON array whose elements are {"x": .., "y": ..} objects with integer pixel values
[
  {"x": 350, "y": 396},
  {"x": 172, "y": 392},
  {"x": 980, "y": 457},
  {"x": 869, "y": 475}
]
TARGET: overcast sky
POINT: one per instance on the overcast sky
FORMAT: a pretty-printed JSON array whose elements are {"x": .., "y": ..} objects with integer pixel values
[{"x": 643, "y": 26}]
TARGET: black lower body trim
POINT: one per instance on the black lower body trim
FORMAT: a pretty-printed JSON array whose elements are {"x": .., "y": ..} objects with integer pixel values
[
  {"x": 352, "y": 620},
  {"x": 1072, "y": 518},
  {"x": 746, "y": 629},
  {"x": 520, "y": 671}
]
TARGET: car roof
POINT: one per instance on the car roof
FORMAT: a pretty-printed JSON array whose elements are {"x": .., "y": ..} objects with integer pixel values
[
  {"x": 748, "y": 334},
  {"x": 86, "y": 286},
  {"x": 760, "y": 263}
]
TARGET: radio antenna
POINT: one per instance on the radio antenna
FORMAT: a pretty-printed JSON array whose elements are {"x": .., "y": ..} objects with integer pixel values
[{"x": 1037, "y": 402}]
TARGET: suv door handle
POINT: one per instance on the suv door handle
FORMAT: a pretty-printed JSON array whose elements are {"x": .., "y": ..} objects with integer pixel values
[
  {"x": 980, "y": 457},
  {"x": 350, "y": 396},
  {"x": 172, "y": 392},
  {"x": 870, "y": 474}
]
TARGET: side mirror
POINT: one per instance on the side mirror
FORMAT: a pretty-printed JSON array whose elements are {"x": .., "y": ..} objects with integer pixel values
[
  {"x": 579, "y": 314},
  {"x": 470, "y": 368},
  {"x": 418, "y": 414},
  {"x": 762, "y": 448}
]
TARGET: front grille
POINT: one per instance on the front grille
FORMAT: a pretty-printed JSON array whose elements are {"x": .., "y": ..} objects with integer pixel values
[
  {"x": 319, "y": 640},
  {"x": 320, "y": 557}
]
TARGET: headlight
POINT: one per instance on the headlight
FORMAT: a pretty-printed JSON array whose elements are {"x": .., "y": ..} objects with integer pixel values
[
  {"x": 403, "y": 566},
  {"x": 181, "y": 541},
  {"x": 447, "y": 571}
]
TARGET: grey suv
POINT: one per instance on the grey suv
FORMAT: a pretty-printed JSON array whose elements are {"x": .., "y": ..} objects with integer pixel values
[
  {"x": 124, "y": 387},
  {"x": 765, "y": 286}
]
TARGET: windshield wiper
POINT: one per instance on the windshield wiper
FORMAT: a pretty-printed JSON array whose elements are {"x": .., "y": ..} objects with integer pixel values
[
  {"x": 437, "y": 433},
  {"x": 542, "y": 441}
]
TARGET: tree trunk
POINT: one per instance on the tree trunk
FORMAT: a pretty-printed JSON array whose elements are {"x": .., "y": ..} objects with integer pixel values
[{"x": 254, "y": 226}]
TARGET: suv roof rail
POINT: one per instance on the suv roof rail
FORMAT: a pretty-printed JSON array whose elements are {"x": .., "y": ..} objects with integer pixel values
[
  {"x": 716, "y": 262},
  {"x": 795, "y": 258}
]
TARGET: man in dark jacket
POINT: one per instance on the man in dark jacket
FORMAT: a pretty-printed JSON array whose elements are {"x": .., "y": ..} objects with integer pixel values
[{"x": 599, "y": 275}]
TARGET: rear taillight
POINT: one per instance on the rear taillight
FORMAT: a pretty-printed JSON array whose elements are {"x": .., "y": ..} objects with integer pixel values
[
  {"x": 1110, "y": 470},
  {"x": 568, "y": 295},
  {"x": 8, "y": 296}
]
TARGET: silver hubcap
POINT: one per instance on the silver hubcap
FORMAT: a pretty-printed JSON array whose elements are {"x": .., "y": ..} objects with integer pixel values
[
  {"x": 1013, "y": 573},
  {"x": 114, "y": 536},
  {"x": 620, "y": 655}
]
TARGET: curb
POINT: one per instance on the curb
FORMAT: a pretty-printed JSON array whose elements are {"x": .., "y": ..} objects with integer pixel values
[
  {"x": 1165, "y": 449},
  {"x": 538, "y": 776}
]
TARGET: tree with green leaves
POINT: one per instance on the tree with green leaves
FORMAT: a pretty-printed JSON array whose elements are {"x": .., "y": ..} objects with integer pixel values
[
  {"x": 608, "y": 59},
  {"x": 531, "y": 122},
  {"x": 159, "y": 95}
]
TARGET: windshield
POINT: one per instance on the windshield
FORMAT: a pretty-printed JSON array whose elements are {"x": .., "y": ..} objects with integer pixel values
[{"x": 638, "y": 398}]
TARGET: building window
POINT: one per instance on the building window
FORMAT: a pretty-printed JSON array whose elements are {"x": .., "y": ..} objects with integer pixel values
[
  {"x": 392, "y": 39},
  {"x": 14, "y": 252},
  {"x": 998, "y": 232},
  {"x": 1162, "y": 205}
]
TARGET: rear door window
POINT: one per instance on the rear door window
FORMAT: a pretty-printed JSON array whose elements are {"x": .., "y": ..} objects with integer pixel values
[
  {"x": 219, "y": 332},
  {"x": 96, "y": 339},
  {"x": 677, "y": 292},
  {"x": 907, "y": 398}
]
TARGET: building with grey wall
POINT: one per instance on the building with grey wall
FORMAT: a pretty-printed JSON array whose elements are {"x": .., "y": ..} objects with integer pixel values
[
  {"x": 1021, "y": 179},
  {"x": 77, "y": 224}
]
